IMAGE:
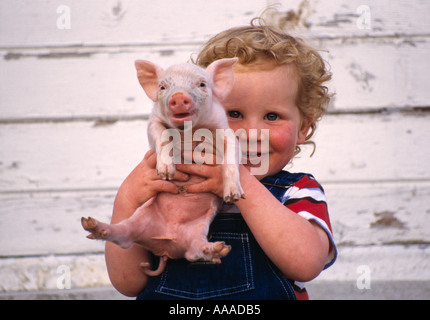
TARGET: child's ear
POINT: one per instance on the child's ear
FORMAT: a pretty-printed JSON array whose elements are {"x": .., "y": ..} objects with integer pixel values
[{"x": 303, "y": 131}]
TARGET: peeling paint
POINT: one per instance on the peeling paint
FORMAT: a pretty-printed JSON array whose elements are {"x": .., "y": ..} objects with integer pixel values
[
  {"x": 49, "y": 55},
  {"x": 104, "y": 122},
  {"x": 13, "y": 56},
  {"x": 387, "y": 220},
  {"x": 361, "y": 76},
  {"x": 60, "y": 55},
  {"x": 114, "y": 14},
  {"x": 339, "y": 19},
  {"x": 293, "y": 19},
  {"x": 167, "y": 53}
]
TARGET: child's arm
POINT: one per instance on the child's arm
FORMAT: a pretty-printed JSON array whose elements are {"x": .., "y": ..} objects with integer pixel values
[
  {"x": 142, "y": 184},
  {"x": 298, "y": 247}
]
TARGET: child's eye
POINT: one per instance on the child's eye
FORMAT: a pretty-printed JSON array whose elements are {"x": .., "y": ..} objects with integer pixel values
[
  {"x": 271, "y": 116},
  {"x": 234, "y": 114}
]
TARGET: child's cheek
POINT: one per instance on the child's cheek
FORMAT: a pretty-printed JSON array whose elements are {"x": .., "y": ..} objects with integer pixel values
[{"x": 282, "y": 140}]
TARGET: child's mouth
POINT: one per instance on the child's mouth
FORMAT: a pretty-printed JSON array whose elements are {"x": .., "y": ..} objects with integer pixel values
[{"x": 253, "y": 157}]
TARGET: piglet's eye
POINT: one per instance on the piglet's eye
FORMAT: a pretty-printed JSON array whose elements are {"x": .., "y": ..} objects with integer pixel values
[{"x": 202, "y": 84}]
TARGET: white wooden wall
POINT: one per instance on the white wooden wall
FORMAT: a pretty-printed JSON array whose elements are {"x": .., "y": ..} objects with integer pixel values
[{"x": 73, "y": 124}]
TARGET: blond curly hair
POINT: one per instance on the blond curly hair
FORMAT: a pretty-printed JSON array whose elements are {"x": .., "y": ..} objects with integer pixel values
[{"x": 259, "y": 43}]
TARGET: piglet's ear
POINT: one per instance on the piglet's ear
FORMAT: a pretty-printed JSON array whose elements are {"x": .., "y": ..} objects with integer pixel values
[
  {"x": 148, "y": 73},
  {"x": 222, "y": 74}
]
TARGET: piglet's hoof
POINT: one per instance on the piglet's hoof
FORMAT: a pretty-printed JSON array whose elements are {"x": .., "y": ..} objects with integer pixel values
[
  {"x": 232, "y": 192},
  {"x": 92, "y": 226},
  {"x": 165, "y": 171},
  {"x": 220, "y": 250},
  {"x": 233, "y": 197},
  {"x": 211, "y": 251}
]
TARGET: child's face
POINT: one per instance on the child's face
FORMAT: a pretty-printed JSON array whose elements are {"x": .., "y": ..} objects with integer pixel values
[{"x": 265, "y": 99}]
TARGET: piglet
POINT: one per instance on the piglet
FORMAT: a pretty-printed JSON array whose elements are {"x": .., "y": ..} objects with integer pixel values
[{"x": 176, "y": 225}]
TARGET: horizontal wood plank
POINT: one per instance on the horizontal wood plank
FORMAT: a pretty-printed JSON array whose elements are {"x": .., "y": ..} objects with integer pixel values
[
  {"x": 393, "y": 264},
  {"x": 37, "y": 224},
  {"x": 89, "y": 155},
  {"x": 98, "y": 22},
  {"x": 389, "y": 263},
  {"x": 69, "y": 156},
  {"x": 354, "y": 18},
  {"x": 31, "y": 274},
  {"x": 366, "y": 214},
  {"x": 76, "y": 83},
  {"x": 378, "y": 74},
  {"x": 111, "y": 22},
  {"x": 73, "y": 83},
  {"x": 380, "y": 148}
]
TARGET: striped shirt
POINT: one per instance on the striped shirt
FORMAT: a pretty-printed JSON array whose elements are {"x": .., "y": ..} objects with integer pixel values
[{"x": 301, "y": 193}]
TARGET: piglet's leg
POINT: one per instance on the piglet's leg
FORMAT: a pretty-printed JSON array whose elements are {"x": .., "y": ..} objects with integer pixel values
[
  {"x": 158, "y": 139},
  {"x": 230, "y": 169},
  {"x": 116, "y": 233}
]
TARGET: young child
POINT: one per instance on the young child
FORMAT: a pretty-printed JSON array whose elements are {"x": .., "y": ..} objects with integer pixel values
[{"x": 280, "y": 234}]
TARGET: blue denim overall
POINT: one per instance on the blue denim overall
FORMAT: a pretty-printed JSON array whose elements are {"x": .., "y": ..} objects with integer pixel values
[{"x": 246, "y": 273}]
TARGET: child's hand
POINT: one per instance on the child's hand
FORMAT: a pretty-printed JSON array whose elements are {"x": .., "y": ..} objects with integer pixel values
[
  {"x": 143, "y": 182},
  {"x": 212, "y": 173}
]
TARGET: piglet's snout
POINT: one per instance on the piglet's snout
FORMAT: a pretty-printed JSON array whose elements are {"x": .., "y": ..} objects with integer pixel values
[{"x": 180, "y": 103}]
